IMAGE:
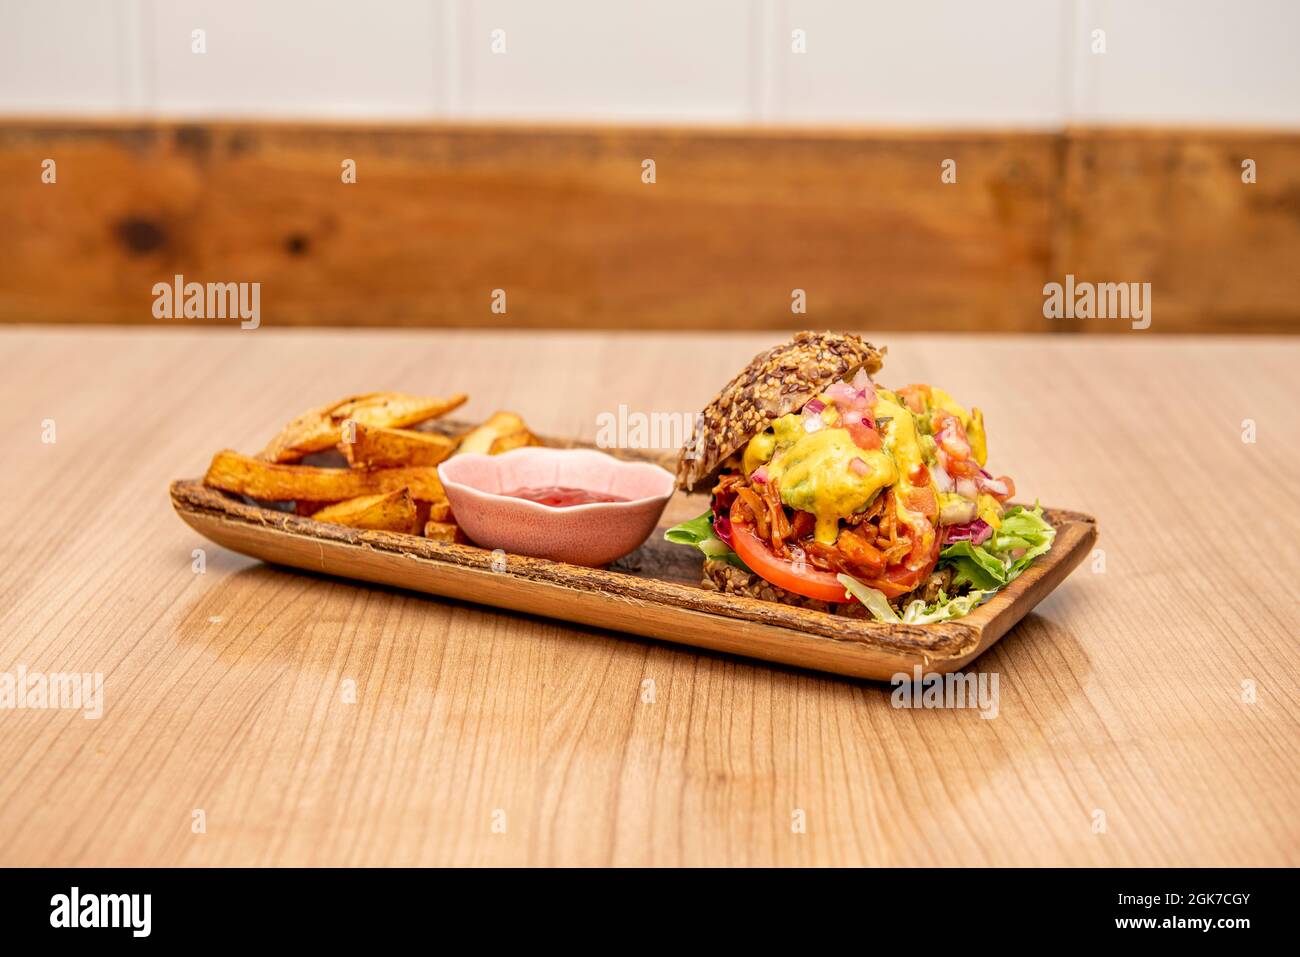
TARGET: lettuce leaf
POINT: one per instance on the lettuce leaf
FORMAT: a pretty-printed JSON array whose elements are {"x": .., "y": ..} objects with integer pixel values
[
  {"x": 699, "y": 533},
  {"x": 1022, "y": 529},
  {"x": 872, "y": 598},
  {"x": 917, "y": 612},
  {"x": 974, "y": 565},
  {"x": 992, "y": 565}
]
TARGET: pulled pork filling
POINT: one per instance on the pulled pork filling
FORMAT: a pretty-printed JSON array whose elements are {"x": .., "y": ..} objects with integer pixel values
[{"x": 869, "y": 542}]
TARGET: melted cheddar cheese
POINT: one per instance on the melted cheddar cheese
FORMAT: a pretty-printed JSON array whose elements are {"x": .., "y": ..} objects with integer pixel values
[
  {"x": 815, "y": 476},
  {"x": 815, "y": 473}
]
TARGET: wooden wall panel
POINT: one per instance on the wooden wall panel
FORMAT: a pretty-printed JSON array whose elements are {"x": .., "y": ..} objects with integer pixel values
[
  {"x": 560, "y": 219},
  {"x": 1170, "y": 208}
]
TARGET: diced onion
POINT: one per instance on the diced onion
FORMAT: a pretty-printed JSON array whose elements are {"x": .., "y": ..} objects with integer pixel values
[
  {"x": 977, "y": 532},
  {"x": 859, "y": 467},
  {"x": 722, "y": 528},
  {"x": 759, "y": 475},
  {"x": 843, "y": 395},
  {"x": 866, "y": 390},
  {"x": 995, "y": 486}
]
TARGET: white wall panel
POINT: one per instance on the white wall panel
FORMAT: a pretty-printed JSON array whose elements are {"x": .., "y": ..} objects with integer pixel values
[
  {"x": 1208, "y": 61},
  {"x": 596, "y": 59},
  {"x": 308, "y": 58},
  {"x": 65, "y": 56},
  {"x": 924, "y": 63}
]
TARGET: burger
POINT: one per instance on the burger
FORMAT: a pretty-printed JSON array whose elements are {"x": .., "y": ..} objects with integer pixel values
[{"x": 831, "y": 492}]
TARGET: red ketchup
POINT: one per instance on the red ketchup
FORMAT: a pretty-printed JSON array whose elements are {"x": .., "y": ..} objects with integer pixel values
[{"x": 561, "y": 496}]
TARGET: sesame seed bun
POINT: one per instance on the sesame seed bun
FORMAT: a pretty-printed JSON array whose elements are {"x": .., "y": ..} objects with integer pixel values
[{"x": 776, "y": 383}]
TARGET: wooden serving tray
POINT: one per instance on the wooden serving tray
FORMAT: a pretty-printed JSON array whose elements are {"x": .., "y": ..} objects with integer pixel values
[{"x": 655, "y": 591}]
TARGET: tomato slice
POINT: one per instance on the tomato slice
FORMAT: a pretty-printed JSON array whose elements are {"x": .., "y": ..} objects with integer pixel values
[
  {"x": 915, "y": 397},
  {"x": 802, "y": 579}
]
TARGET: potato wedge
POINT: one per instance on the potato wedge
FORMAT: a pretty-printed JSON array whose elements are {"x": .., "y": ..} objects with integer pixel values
[
  {"x": 439, "y": 512},
  {"x": 386, "y": 512},
  {"x": 501, "y": 433},
  {"x": 512, "y": 440},
  {"x": 272, "y": 481},
  {"x": 379, "y": 447},
  {"x": 320, "y": 428},
  {"x": 445, "y": 532}
]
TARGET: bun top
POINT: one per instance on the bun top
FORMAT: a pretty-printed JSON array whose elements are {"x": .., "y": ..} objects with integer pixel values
[{"x": 776, "y": 383}]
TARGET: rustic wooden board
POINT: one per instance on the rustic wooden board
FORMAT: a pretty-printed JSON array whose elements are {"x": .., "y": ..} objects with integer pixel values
[
  {"x": 1169, "y": 207},
  {"x": 559, "y": 218},
  {"x": 440, "y": 216},
  {"x": 652, "y": 592}
]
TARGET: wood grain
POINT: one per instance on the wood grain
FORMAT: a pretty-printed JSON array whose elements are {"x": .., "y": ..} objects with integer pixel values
[
  {"x": 228, "y": 691},
  {"x": 1170, "y": 208},
  {"x": 559, "y": 219}
]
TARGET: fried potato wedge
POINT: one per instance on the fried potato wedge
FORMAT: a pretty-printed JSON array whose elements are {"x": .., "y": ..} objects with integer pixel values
[
  {"x": 439, "y": 512},
  {"x": 501, "y": 433},
  {"x": 380, "y": 447},
  {"x": 512, "y": 440},
  {"x": 445, "y": 532},
  {"x": 386, "y": 512},
  {"x": 271, "y": 481},
  {"x": 320, "y": 428}
]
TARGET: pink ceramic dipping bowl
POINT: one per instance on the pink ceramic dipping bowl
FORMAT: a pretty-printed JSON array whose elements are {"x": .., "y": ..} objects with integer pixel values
[{"x": 594, "y": 534}]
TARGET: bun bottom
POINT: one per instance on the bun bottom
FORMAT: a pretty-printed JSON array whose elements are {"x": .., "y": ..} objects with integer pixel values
[{"x": 722, "y": 576}]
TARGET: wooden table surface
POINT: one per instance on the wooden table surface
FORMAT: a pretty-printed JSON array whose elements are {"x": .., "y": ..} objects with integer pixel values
[{"x": 479, "y": 737}]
